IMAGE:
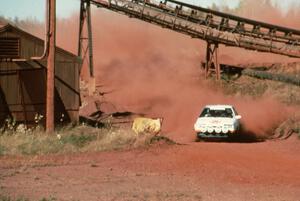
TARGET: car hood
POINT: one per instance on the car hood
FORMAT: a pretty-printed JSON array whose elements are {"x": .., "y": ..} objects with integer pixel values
[{"x": 215, "y": 120}]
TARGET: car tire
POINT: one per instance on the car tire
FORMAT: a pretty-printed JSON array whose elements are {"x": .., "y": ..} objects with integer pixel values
[{"x": 199, "y": 139}]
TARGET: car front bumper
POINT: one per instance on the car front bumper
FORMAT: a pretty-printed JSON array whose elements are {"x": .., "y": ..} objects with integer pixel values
[{"x": 211, "y": 135}]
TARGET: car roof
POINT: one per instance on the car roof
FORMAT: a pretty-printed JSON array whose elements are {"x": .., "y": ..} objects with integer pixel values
[{"x": 218, "y": 107}]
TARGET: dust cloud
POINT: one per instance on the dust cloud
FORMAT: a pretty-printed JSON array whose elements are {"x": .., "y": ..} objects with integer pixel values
[
  {"x": 267, "y": 12},
  {"x": 157, "y": 72}
]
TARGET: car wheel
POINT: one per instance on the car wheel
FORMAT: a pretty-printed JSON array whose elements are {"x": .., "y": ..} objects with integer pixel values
[{"x": 199, "y": 139}]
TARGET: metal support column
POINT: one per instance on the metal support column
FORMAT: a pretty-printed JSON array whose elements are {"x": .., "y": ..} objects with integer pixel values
[
  {"x": 85, "y": 43},
  {"x": 212, "y": 65},
  {"x": 81, "y": 24},
  {"x": 90, "y": 35},
  {"x": 51, "y": 69}
]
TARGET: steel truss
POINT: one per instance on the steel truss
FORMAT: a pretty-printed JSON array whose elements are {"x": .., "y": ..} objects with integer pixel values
[
  {"x": 209, "y": 25},
  {"x": 85, "y": 43}
]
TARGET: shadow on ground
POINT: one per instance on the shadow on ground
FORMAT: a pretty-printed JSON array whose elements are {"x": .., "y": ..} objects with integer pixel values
[
  {"x": 250, "y": 137},
  {"x": 245, "y": 137}
]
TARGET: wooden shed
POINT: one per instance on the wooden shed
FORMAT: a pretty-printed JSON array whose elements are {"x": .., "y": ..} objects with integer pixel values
[{"x": 23, "y": 80}]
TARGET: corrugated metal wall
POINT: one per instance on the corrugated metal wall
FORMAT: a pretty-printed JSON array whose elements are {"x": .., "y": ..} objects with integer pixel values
[{"x": 23, "y": 84}]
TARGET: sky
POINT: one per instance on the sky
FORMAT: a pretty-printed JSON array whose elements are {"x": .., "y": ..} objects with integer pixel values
[{"x": 34, "y": 9}]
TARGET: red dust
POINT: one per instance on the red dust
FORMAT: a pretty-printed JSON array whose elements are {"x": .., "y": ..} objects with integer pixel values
[{"x": 157, "y": 72}]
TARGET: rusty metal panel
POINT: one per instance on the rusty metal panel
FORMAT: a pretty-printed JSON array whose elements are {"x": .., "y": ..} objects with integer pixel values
[
  {"x": 23, "y": 84},
  {"x": 33, "y": 92},
  {"x": 9, "y": 47},
  {"x": 24, "y": 94},
  {"x": 4, "y": 110},
  {"x": 9, "y": 82}
]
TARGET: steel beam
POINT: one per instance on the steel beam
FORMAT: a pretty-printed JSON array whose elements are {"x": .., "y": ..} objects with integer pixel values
[
  {"x": 209, "y": 25},
  {"x": 50, "y": 70},
  {"x": 212, "y": 65},
  {"x": 85, "y": 43}
]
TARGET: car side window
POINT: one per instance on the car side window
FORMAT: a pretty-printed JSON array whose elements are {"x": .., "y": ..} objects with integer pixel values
[
  {"x": 228, "y": 112},
  {"x": 205, "y": 113}
]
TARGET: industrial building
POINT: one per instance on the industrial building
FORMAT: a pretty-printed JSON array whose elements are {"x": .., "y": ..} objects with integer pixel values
[{"x": 23, "y": 79}]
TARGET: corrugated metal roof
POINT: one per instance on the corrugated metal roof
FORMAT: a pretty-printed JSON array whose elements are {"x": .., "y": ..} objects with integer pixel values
[{"x": 7, "y": 26}]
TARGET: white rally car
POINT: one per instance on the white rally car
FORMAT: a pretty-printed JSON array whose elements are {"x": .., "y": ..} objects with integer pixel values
[{"x": 217, "y": 121}]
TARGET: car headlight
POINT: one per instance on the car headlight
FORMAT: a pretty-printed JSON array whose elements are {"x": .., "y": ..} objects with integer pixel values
[
  {"x": 201, "y": 127},
  {"x": 228, "y": 126}
]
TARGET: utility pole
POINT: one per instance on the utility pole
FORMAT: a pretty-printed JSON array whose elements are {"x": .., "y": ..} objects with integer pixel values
[{"x": 51, "y": 69}]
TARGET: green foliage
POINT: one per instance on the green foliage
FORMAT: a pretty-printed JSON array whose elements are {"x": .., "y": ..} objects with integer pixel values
[
  {"x": 34, "y": 145},
  {"x": 297, "y": 130},
  {"x": 65, "y": 140},
  {"x": 2, "y": 150},
  {"x": 8, "y": 198},
  {"x": 78, "y": 140},
  {"x": 162, "y": 139},
  {"x": 70, "y": 139},
  {"x": 273, "y": 76},
  {"x": 48, "y": 199},
  {"x": 253, "y": 89},
  {"x": 52, "y": 144}
]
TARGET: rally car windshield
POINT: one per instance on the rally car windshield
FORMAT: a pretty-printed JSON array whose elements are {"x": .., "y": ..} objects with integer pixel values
[{"x": 226, "y": 113}]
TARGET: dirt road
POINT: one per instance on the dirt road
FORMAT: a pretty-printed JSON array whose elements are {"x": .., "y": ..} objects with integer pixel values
[{"x": 267, "y": 171}]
